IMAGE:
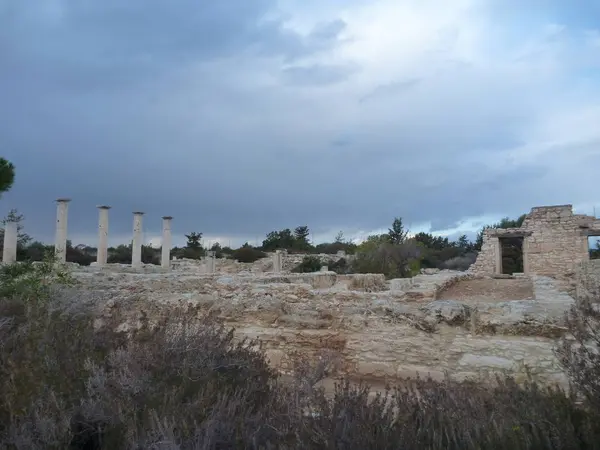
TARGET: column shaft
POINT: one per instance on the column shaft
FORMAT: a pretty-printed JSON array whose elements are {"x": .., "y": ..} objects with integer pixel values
[
  {"x": 166, "y": 243},
  {"x": 60, "y": 241},
  {"x": 136, "y": 250},
  {"x": 102, "y": 256},
  {"x": 9, "y": 251}
]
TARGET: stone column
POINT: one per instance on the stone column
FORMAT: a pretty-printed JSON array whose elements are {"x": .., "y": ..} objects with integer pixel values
[
  {"x": 136, "y": 249},
  {"x": 9, "y": 252},
  {"x": 60, "y": 240},
  {"x": 277, "y": 261},
  {"x": 210, "y": 262},
  {"x": 102, "y": 256},
  {"x": 165, "y": 259}
]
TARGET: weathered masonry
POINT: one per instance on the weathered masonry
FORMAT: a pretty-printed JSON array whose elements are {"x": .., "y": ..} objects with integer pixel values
[{"x": 554, "y": 242}]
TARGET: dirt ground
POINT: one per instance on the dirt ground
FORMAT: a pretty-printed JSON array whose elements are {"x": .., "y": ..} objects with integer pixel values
[{"x": 489, "y": 290}]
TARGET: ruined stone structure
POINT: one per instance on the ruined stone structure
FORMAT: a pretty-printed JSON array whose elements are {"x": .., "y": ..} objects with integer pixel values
[
  {"x": 555, "y": 242},
  {"x": 378, "y": 329}
]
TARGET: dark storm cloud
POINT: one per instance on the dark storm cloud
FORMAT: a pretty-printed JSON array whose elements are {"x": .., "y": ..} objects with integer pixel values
[
  {"x": 227, "y": 118},
  {"x": 76, "y": 82}
]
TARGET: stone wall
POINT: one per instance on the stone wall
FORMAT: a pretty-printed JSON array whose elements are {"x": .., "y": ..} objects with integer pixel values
[
  {"x": 555, "y": 242},
  {"x": 588, "y": 281}
]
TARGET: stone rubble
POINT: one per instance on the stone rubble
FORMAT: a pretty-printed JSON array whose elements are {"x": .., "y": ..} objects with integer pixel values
[{"x": 380, "y": 329}]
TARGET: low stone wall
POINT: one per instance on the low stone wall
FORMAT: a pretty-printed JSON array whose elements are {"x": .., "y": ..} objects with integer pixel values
[{"x": 588, "y": 281}]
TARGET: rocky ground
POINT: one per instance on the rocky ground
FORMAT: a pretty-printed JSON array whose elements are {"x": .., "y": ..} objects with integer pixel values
[{"x": 379, "y": 330}]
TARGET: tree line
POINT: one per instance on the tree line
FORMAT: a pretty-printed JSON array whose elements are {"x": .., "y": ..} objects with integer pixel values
[{"x": 395, "y": 253}]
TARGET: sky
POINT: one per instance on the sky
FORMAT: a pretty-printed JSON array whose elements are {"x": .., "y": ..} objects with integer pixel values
[{"x": 240, "y": 117}]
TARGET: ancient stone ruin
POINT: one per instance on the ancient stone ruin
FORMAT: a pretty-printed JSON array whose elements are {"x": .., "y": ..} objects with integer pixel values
[
  {"x": 466, "y": 324},
  {"x": 554, "y": 242}
]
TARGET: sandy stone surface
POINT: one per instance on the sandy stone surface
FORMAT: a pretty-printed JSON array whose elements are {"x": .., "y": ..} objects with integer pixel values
[{"x": 489, "y": 290}]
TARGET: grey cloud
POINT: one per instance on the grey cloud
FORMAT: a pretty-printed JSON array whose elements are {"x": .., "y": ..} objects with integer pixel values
[
  {"x": 317, "y": 74},
  {"x": 144, "y": 109},
  {"x": 391, "y": 89},
  {"x": 93, "y": 44}
]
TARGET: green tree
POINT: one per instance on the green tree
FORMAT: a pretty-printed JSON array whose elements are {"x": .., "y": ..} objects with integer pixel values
[
  {"x": 13, "y": 216},
  {"x": 283, "y": 239},
  {"x": 193, "y": 247},
  {"x": 397, "y": 234},
  {"x": 301, "y": 235},
  {"x": 339, "y": 238},
  {"x": 7, "y": 175}
]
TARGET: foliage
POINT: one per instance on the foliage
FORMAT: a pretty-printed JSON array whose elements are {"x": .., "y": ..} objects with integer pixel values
[
  {"x": 7, "y": 175},
  {"x": 248, "y": 254},
  {"x": 193, "y": 248},
  {"x": 378, "y": 255},
  {"x": 595, "y": 252},
  {"x": 122, "y": 254},
  {"x": 503, "y": 224},
  {"x": 216, "y": 247},
  {"x": 580, "y": 352},
  {"x": 301, "y": 241},
  {"x": 341, "y": 266},
  {"x": 279, "y": 240},
  {"x": 397, "y": 234},
  {"x": 308, "y": 264}
]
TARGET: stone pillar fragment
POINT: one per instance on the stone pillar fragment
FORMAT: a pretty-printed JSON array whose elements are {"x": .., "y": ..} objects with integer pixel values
[
  {"x": 165, "y": 259},
  {"x": 9, "y": 251},
  {"x": 498, "y": 255},
  {"x": 210, "y": 262},
  {"x": 60, "y": 240},
  {"x": 102, "y": 255},
  {"x": 136, "y": 250},
  {"x": 278, "y": 261}
]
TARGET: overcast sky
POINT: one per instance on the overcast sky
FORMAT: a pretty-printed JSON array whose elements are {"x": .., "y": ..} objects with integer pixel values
[{"x": 238, "y": 117}]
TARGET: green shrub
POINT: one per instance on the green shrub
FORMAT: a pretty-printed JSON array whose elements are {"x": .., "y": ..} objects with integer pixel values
[
  {"x": 308, "y": 264},
  {"x": 340, "y": 266},
  {"x": 248, "y": 254},
  {"x": 392, "y": 260}
]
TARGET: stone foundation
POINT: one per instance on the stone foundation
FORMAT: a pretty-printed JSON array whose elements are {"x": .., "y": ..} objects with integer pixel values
[{"x": 376, "y": 334}]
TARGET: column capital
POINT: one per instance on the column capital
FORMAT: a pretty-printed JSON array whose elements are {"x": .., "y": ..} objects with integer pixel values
[
  {"x": 138, "y": 213},
  {"x": 63, "y": 200},
  {"x": 167, "y": 217},
  {"x": 103, "y": 207}
]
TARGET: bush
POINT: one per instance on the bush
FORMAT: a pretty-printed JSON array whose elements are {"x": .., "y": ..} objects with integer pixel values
[
  {"x": 248, "y": 254},
  {"x": 459, "y": 262},
  {"x": 392, "y": 260},
  {"x": 308, "y": 264},
  {"x": 340, "y": 266}
]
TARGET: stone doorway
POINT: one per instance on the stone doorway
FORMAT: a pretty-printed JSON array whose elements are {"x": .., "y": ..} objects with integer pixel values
[
  {"x": 511, "y": 251},
  {"x": 594, "y": 247}
]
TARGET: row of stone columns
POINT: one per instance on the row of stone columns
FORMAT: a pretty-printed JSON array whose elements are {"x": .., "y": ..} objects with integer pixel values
[{"x": 9, "y": 252}]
